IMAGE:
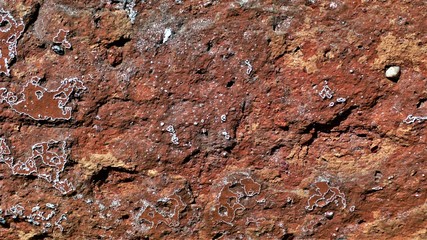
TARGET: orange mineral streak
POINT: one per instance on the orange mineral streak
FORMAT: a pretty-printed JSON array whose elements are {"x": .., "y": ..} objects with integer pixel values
[
  {"x": 40, "y": 103},
  {"x": 10, "y": 31}
]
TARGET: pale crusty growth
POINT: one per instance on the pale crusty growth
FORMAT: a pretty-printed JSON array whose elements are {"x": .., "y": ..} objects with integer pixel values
[
  {"x": 236, "y": 187},
  {"x": 165, "y": 210},
  {"x": 325, "y": 194},
  {"x": 10, "y": 31},
  {"x": 40, "y": 103},
  {"x": 47, "y": 162},
  {"x": 61, "y": 38}
]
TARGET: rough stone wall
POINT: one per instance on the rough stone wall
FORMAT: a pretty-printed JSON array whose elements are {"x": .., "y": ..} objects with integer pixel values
[{"x": 211, "y": 119}]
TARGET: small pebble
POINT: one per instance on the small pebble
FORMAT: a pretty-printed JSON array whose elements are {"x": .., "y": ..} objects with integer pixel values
[
  {"x": 58, "y": 49},
  {"x": 393, "y": 72},
  {"x": 329, "y": 215},
  {"x": 167, "y": 34}
]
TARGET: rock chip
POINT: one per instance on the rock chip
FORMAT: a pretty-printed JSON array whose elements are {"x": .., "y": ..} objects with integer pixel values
[{"x": 393, "y": 72}]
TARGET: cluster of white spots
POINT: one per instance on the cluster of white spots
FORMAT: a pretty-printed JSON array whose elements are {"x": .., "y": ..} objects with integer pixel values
[
  {"x": 226, "y": 135},
  {"x": 174, "y": 137},
  {"x": 127, "y": 5},
  {"x": 15, "y": 211},
  {"x": 228, "y": 201},
  {"x": 326, "y": 92},
  {"x": 130, "y": 5},
  {"x": 115, "y": 203},
  {"x": 39, "y": 215}
]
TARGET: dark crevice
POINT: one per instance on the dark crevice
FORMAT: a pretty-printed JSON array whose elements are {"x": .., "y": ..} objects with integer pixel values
[
  {"x": 288, "y": 236},
  {"x": 119, "y": 43},
  {"x": 328, "y": 126},
  {"x": 101, "y": 176},
  {"x": 421, "y": 102},
  {"x": 230, "y": 147},
  {"x": 275, "y": 149},
  {"x": 335, "y": 122},
  {"x": 209, "y": 46},
  {"x": 218, "y": 235},
  {"x": 190, "y": 156},
  {"x": 230, "y": 83},
  {"x": 31, "y": 18},
  {"x": 39, "y": 236}
]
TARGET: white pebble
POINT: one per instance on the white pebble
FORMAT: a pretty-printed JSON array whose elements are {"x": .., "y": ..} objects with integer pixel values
[
  {"x": 393, "y": 72},
  {"x": 167, "y": 34}
]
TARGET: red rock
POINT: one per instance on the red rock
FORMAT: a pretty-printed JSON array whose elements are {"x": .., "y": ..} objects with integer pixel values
[{"x": 220, "y": 132}]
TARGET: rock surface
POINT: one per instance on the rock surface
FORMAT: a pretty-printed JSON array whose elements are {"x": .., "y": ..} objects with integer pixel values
[{"x": 242, "y": 119}]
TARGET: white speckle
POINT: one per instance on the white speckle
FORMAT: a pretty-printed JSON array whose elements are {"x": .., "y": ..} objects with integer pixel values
[
  {"x": 377, "y": 188},
  {"x": 167, "y": 34},
  {"x": 35, "y": 209},
  {"x": 170, "y": 129},
  {"x": 326, "y": 92},
  {"x": 175, "y": 139},
  {"x": 341, "y": 100},
  {"x": 101, "y": 207},
  {"x": 223, "y": 118},
  {"x": 329, "y": 214},
  {"x": 226, "y": 135},
  {"x": 115, "y": 203},
  {"x": 249, "y": 69},
  {"x": 50, "y": 205}
]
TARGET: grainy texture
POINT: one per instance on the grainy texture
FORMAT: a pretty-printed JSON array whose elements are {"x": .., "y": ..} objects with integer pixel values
[{"x": 213, "y": 119}]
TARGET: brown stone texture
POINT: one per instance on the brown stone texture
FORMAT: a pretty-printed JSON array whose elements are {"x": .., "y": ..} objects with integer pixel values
[{"x": 211, "y": 119}]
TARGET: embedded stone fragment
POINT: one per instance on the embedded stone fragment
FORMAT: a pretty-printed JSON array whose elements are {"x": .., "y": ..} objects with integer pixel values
[{"x": 393, "y": 73}]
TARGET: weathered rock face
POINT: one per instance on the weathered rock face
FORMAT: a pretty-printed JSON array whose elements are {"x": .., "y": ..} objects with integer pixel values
[{"x": 213, "y": 119}]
